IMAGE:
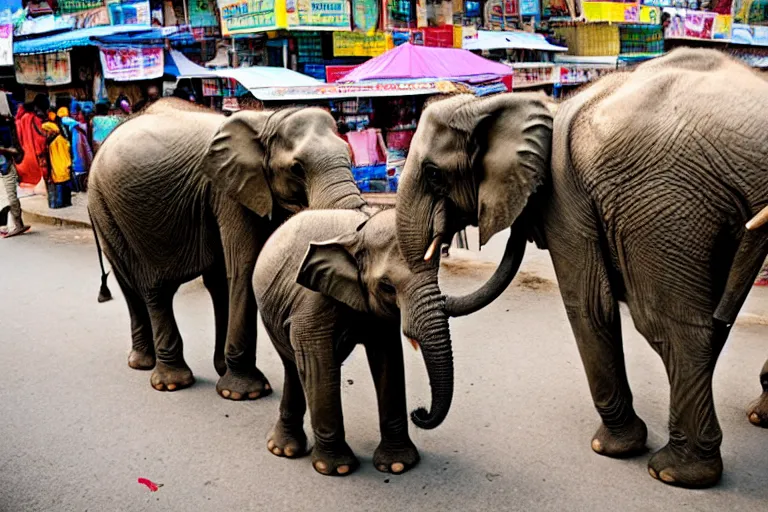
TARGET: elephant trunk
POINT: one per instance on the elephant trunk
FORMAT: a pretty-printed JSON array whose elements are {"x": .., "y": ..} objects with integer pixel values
[
  {"x": 421, "y": 225},
  {"x": 498, "y": 282},
  {"x": 334, "y": 188},
  {"x": 425, "y": 322}
]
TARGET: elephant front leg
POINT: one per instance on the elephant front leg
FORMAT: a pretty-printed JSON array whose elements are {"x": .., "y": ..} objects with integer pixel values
[
  {"x": 758, "y": 412},
  {"x": 691, "y": 458},
  {"x": 396, "y": 453},
  {"x": 171, "y": 371},
  {"x": 242, "y": 378},
  {"x": 288, "y": 439}
]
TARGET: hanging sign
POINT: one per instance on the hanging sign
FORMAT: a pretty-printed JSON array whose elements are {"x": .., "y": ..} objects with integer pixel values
[
  {"x": 70, "y": 6},
  {"x": 201, "y": 13},
  {"x": 617, "y": 12},
  {"x": 6, "y": 38},
  {"x": 358, "y": 44},
  {"x": 687, "y": 24},
  {"x": 126, "y": 64},
  {"x": 247, "y": 16},
  {"x": 749, "y": 35},
  {"x": 129, "y": 12},
  {"x": 47, "y": 69},
  {"x": 365, "y": 15},
  {"x": 318, "y": 14}
]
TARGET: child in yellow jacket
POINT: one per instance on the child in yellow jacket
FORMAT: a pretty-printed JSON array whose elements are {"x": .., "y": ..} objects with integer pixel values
[{"x": 59, "y": 152}]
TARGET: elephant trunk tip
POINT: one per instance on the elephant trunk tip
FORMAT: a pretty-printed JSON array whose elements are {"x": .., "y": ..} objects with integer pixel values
[
  {"x": 104, "y": 294},
  {"x": 425, "y": 420}
]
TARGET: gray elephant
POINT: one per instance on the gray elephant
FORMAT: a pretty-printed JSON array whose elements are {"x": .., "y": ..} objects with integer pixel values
[
  {"x": 177, "y": 192},
  {"x": 640, "y": 187},
  {"x": 326, "y": 281}
]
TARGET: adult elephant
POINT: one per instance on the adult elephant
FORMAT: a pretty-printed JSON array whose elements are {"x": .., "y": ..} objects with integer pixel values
[
  {"x": 178, "y": 192},
  {"x": 640, "y": 188}
]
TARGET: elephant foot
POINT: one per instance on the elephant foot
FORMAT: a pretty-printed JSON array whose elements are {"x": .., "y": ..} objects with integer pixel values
[
  {"x": 239, "y": 386},
  {"x": 674, "y": 467},
  {"x": 337, "y": 462},
  {"x": 171, "y": 378},
  {"x": 141, "y": 360},
  {"x": 624, "y": 442},
  {"x": 758, "y": 412},
  {"x": 287, "y": 441},
  {"x": 395, "y": 457}
]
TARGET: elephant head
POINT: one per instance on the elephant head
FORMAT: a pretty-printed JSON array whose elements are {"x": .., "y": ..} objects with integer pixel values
[
  {"x": 366, "y": 271},
  {"x": 291, "y": 157},
  {"x": 473, "y": 161}
]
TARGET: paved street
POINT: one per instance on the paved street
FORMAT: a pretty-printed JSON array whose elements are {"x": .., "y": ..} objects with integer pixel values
[{"x": 78, "y": 427}]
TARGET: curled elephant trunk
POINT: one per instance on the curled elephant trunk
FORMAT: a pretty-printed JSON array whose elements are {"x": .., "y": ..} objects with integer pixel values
[
  {"x": 498, "y": 282},
  {"x": 425, "y": 322}
]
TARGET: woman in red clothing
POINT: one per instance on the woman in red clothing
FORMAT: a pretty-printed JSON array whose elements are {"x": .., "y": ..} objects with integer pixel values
[{"x": 29, "y": 119}]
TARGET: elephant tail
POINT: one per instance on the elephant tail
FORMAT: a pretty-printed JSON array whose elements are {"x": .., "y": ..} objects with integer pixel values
[
  {"x": 746, "y": 265},
  {"x": 104, "y": 294}
]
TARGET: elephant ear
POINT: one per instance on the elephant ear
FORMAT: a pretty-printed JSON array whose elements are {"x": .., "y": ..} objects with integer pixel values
[
  {"x": 329, "y": 268},
  {"x": 512, "y": 134},
  {"x": 237, "y": 161}
]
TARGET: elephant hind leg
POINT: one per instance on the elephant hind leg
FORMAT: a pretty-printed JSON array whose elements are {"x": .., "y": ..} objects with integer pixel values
[
  {"x": 215, "y": 280},
  {"x": 691, "y": 458},
  {"x": 758, "y": 412},
  {"x": 142, "y": 355},
  {"x": 596, "y": 322},
  {"x": 171, "y": 371}
]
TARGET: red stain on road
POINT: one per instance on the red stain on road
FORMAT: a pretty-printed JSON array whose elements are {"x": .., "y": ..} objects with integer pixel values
[{"x": 152, "y": 486}]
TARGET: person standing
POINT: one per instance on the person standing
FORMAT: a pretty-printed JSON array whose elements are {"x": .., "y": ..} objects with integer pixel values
[{"x": 9, "y": 152}]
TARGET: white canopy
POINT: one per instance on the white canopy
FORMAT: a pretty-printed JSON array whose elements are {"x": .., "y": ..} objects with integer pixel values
[{"x": 517, "y": 40}]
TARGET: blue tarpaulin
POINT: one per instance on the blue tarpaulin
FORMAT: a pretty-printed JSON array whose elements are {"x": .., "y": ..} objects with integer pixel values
[
  {"x": 72, "y": 39},
  {"x": 154, "y": 36}
]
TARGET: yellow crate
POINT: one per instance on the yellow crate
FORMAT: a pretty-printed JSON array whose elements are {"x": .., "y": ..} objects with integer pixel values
[{"x": 591, "y": 39}]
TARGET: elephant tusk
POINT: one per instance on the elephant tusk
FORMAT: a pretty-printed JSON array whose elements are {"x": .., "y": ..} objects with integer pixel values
[
  {"x": 414, "y": 344},
  {"x": 431, "y": 249},
  {"x": 758, "y": 220}
]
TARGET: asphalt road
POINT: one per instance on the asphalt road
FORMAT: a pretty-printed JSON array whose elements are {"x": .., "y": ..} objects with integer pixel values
[{"x": 78, "y": 427}]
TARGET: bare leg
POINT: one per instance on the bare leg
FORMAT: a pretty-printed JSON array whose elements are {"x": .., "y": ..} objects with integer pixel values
[
  {"x": 142, "y": 356},
  {"x": 691, "y": 458},
  {"x": 396, "y": 453},
  {"x": 215, "y": 280},
  {"x": 171, "y": 371},
  {"x": 758, "y": 413},
  {"x": 288, "y": 438}
]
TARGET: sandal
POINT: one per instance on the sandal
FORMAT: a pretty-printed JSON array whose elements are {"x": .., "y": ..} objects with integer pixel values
[{"x": 17, "y": 231}]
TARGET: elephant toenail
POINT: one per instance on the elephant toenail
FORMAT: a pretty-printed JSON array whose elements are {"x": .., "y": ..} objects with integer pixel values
[
  {"x": 398, "y": 467},
  {"x": 225, "y": 393},
  {"x": 321, "y": 466},
  {"x": 754, "y": 418},
  {"x": 653, "y": 473},
  {"x": 382, "y": 467},
  {"x": 289, "y": 452},
  {"x": 171, "y": 387},
  {"x": 267, "y": 387},
  {"x": 277, "y": 451},
  {"x": 270, "y": 445},
  {"x": 597, "y": 445},
  {"x": 253, "y": 395},
  {"x": 342, "y": 470},
  {"x": 158, "y": 387},
  {"x": 665, "y": 476},
  {"x": 235, "y": 396}
]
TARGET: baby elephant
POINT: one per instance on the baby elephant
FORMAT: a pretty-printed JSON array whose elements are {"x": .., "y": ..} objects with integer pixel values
[{"x": 317, "y": 301}]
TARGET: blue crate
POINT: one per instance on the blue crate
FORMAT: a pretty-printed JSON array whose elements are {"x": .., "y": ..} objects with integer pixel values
[{"x": 370, "y": 172}]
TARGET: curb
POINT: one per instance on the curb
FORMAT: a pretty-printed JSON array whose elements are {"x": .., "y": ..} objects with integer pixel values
[{"x": 53, "y": 221}]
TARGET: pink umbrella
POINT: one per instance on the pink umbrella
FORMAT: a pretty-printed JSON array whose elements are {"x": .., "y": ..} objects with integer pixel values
[{"x": 414, "y": 62}]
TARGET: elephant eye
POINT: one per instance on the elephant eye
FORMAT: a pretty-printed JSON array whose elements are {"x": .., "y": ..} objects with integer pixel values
[
  {"x": 433, "y": 173},
  {"x": 386, "y": 287},
  {"x": 297, "y": 170}
]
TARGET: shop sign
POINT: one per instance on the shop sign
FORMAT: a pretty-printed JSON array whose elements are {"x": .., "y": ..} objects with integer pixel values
[
  {"x": 359, "y": 44},
  {"x": 749, "y": 12},
  {"x": 46, "y": 69},
  {"x": 336, "y": 73},
  {"x": 616, "y": 12},
  {"x": 749, "y": 35},
  {"x": 530, "y": 8},
  {"x": 359, "y": 90},
  {"x": 211, "y": 87},
  {"x": 70, "y": 6},
  {"x": 91, "y": 18},
  {"x": 129, "y": 12},
  {"x": 247, "y": 16},
  {"x": 6, "y": 38},
  {"x": 201, "y": 13},
  {"x": 572, "y": 75},
  {"x": 684, "y": 24},
  {"x": 127, "y": 64},
  {"x": 366, "y": 15},
  {"x": 318, "y": 14}
]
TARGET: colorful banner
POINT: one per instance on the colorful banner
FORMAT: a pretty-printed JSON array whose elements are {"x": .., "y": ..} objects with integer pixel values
[
  {"x": 201, "y": 13},
  {"x": 246, "y": 16},
  {"x": 749, "y": 35},
  {"x": 211, "y": 87},
  {"x": 129, "y": 12},
  {"x": 6, "y": 38},
  {"x": 750, "y": 12},
  {"x": 127, "y": 64},
  {"x": 687, "y": 24},
  {"x": 616, "y": 12},
  {"x": 70, "y": 6},
  {"x": 92, "y": 18},
  {"x": 530, "y": 8},
  {"x": 47, "y": 69},
  {"x": 336, "y": 73},
  {"x": 358, "y": 44},
  {"x": 366, "y": 15},
  {"x": 318, "y": 14}
]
